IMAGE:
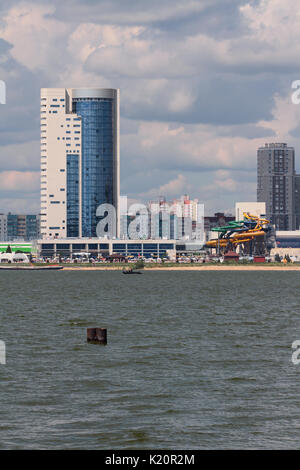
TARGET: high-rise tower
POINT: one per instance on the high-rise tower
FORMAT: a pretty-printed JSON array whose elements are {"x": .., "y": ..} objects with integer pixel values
[
  {"x": 80, "y": 159},
  {"x": 276, "y": 184}
]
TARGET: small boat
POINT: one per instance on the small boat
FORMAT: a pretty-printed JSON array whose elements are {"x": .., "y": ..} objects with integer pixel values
[{"x": 131, "y": 271}]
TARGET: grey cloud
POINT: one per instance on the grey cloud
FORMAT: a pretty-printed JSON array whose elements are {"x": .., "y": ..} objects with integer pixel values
[
  {"x": 248, "y": 131},
  {"x": 24, "y": 156},
  {"x": 19, "y": 203},
  {"x": 295, "y": 132},
  {"x": 219, "y": 19},
  {"x": 130, "y": 12},
  {"x": 19, "y": 117},
  {"x": 216, "y": 99},
  {"x": 4, "y": 48}
]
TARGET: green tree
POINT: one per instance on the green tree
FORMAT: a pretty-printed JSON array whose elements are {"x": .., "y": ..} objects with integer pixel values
[
  {"x": 139, "y": 264},
  {"x": 277, "y": 258}
]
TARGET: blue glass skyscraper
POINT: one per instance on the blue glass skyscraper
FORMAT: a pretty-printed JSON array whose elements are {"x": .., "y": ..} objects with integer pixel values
[
  {"x": 79, "y": 159},
  {"x": 96, "y": 108}
]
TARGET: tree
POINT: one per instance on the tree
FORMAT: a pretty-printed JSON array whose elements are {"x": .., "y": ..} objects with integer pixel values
[
  {"x": 277, "y": 258},
  {"x": 139, "y": 264},
  {"x": 8, "y": 249}
]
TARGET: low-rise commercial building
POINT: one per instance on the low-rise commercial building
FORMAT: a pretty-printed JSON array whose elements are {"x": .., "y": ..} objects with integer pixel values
[
  {"x": 288, "y": 239},
  {"x": 68, "y": 247}
]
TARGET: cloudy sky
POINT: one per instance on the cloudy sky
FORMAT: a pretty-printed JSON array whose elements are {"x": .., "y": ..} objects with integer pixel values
[{"x": 203, "y": 84}]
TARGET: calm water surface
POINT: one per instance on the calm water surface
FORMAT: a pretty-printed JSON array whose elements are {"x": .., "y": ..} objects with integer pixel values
[{"x": 195, "y": 360}]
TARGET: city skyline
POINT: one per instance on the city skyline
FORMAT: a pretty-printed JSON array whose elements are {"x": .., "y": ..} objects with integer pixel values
[{"x": 197, "y": 101}]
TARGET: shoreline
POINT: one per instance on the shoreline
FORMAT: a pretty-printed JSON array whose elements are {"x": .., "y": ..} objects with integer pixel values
[{"x": 189, "y": 268}]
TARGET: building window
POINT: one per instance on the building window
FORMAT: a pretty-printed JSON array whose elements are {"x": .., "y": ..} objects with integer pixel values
[{"x": 72, "y": 195}]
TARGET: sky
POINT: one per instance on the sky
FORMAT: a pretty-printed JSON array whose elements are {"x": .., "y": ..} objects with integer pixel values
[{"x": 203, "y": 84}]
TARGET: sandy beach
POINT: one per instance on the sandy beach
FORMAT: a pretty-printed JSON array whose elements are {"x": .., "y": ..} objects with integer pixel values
[{"x": 192, "y": 268}]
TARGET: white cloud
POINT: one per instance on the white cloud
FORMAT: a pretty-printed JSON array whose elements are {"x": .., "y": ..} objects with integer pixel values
[
  {"x": 171, "y": 189},
  {"x": 37, "y": 39},
  {"x": 194, "y": 147},
  {"x": 20, "y": 181}
]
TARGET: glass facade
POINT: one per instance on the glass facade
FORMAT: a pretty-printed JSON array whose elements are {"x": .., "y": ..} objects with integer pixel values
[
  {"x": 31, "y": 227},
  {"x": 119, "y": 248},
  {"x": 47, "y": 250},
  {"x": 134, "y": 249},
  {"x": 144, "y": 248},
  {"x": 12, "y": 226},
  {"x": 78, "y": 246},
  {"x": 163, "y": 247},
  {"x": 72, "y": 195},
  {"x": 22, "y": 227},
  {"x": 97, "y": 157},
  {"x": 149, "y": 250}
]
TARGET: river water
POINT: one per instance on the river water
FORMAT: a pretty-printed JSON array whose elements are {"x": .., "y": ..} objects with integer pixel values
[{"x": 194, "y": 360}]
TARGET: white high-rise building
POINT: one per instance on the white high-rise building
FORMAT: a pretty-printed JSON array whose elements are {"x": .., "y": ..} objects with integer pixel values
[
  {"x": 123, "y": 217},
  {"x": 177, "y": 219},
  {"x": 80, "y": 159},
  {"x": 254, "y": 208}
]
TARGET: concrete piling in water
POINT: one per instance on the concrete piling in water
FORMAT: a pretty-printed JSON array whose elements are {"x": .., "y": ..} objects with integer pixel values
[
  {"x": 101, "y": 335},
  {"x": 90, "y": 334},
  {"x": 96, "y": 335}
]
